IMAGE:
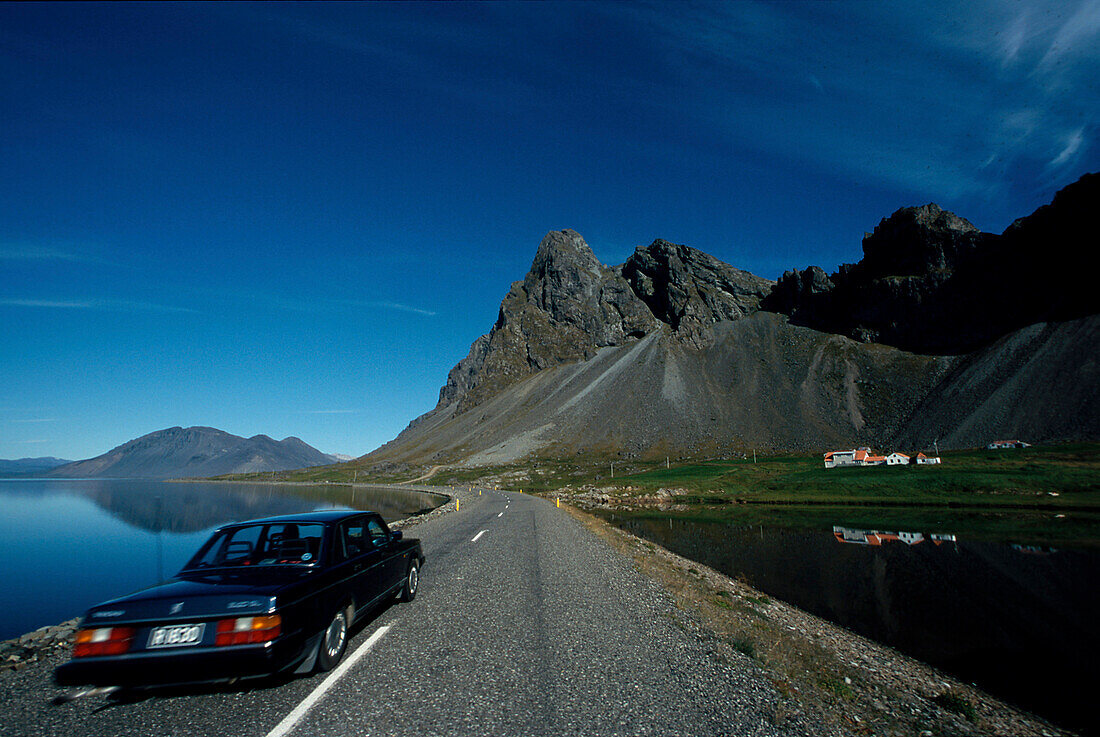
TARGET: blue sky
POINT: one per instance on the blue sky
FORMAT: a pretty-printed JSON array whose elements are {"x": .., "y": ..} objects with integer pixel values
[{"x": 294, "y": 219}]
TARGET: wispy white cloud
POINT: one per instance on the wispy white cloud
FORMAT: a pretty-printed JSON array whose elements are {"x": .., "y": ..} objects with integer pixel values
[
  {"x": 401, "y": 308},
  {"x": 385, "y": 305},
  {"x": 52, "y": 303},
  {"x": 19, "y": 252},
  {"x": 108, "y": 305},
  {"x": 1014, "y": 38},
  {"x": 985, "y": 91},
  {"x": 42, "y": 419},
  {"x": 1073, "y": 145},
  {"x": 31, "y": 442},
  {"x": 1078, "y": 31},
  {"x": 312, "y": 306}
]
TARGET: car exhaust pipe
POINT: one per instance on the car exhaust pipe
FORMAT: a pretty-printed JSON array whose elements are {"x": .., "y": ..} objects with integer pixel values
[{"x": 82, "y": 692}]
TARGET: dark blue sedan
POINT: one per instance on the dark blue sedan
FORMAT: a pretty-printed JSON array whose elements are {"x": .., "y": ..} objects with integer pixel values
[{"x": 261, "y": 597}]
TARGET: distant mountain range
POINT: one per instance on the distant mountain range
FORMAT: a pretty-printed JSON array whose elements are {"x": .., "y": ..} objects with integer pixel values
[
  {"x": 940, "y": 333},
  {"x": 26, "y": 466},
  {"x": 179, "y": 452}
]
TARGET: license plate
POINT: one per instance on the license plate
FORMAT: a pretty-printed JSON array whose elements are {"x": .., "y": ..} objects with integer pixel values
[{"x": 176, "y": 635}]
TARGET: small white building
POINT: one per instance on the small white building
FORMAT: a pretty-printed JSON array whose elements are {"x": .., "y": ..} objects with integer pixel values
[
  {"x": 897, "y": 459},
  {"x": 855, "y": 457},
  {"x": 924, "y": 460}
]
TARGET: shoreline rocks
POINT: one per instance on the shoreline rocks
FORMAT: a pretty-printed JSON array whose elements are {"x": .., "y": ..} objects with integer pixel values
[{"x": 28, "y": 648}]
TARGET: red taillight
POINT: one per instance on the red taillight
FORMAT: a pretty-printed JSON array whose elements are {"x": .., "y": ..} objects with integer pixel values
[
  {"x": 247, "y": 630},
  {"x": 102, "y": 641}
]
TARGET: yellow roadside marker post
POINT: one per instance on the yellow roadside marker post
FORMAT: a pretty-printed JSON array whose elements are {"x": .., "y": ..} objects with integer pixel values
[
  {"x": 456, "y": 505},
  {"x": 558, "y": 500}
]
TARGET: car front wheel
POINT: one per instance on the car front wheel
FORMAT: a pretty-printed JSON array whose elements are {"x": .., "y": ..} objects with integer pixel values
[
  {"x": 334, "y": 640},
  {"x": 412, "y": 582}
]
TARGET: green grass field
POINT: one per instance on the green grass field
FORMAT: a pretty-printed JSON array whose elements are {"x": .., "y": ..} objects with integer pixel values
[{"x": 1054, "y": 476}]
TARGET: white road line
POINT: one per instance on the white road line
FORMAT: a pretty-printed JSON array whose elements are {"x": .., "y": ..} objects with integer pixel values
[
  {"x": 284, "y": 727},
  {"x": 478, "y": 535},
  {"x": 501, "y": 514}
]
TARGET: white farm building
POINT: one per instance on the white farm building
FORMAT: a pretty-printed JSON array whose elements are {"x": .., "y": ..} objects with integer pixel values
[{"x": 864, "y": 457}]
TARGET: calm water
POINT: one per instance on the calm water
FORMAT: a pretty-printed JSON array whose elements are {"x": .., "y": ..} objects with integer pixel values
[
  {"x": 67, "y": 545},
  {"x": 1018, "y": 620}
]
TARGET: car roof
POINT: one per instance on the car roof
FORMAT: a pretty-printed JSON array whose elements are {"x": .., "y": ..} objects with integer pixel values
[{"x": 322, "y": 516}]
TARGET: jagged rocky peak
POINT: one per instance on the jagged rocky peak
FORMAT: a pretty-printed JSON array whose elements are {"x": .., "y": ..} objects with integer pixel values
[
  {"x": 572, "y": 287},
  {"x": 690, "y": 290},
  {"x": 931, "y": 282},
  {"x": 569, "y": 305},
  {"x": 917, "y": 240},
  {"x": 796, "y": 288},
  {"x": 564, "y": 272}
]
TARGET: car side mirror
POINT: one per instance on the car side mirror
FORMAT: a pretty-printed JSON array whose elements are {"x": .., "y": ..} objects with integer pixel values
[{"x": 396, "y": 535}]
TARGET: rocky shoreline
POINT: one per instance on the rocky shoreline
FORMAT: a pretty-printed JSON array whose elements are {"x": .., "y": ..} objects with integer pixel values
[
  {"x": 34, "y": 646},
  {"x": 28, "y": 648}
]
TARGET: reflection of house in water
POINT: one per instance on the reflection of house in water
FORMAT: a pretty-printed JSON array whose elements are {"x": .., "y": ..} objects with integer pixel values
[
  {"x": 875, "y": 537},
  {"x": 879, "y": 537},
  {"x": 1034, "y": 549}
]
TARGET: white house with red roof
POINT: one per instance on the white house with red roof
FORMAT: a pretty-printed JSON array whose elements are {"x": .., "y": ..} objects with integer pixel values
[
  {"x": 864, "y": 457},
  {"x": 854, "y": 457}
]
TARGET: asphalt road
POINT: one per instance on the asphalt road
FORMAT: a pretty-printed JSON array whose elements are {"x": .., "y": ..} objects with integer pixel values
[{"x": 525, "y": 624}]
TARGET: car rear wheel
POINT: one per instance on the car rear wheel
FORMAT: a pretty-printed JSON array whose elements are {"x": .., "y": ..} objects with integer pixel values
[
  {"x": 412, "y": 582},
  {"x": 334, "y": 641}
]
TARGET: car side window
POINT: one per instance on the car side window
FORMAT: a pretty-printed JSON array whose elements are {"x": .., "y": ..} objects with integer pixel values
[
  {"x": 378, "y": 534},
  {"x": 353, "y": 538},
  {"x": 239, "y": 546}
]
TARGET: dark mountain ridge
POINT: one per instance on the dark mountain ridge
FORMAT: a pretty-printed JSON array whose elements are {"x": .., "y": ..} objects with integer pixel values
[
  {"x": 930, "y": 282},
  {"x": 941, "y": 332},
  {"x": 179, "y": 452}
]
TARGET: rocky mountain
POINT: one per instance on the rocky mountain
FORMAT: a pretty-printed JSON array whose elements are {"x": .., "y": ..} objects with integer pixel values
[
  {"x": 570, "y": 305},
  {"x": 931, "y": 282},
  {"x": 25, "y": 466},
  {"x": 179, "y": 452},
  {"x": 939, "y": 332}
]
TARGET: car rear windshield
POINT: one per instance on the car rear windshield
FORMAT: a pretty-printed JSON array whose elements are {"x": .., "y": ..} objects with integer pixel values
[{"x": 283, "y": 543}]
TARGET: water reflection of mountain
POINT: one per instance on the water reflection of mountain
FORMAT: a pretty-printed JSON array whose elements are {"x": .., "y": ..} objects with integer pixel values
[
  {"x": 1020, "y": 625},
  {"x": 181, "y": 507}
]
